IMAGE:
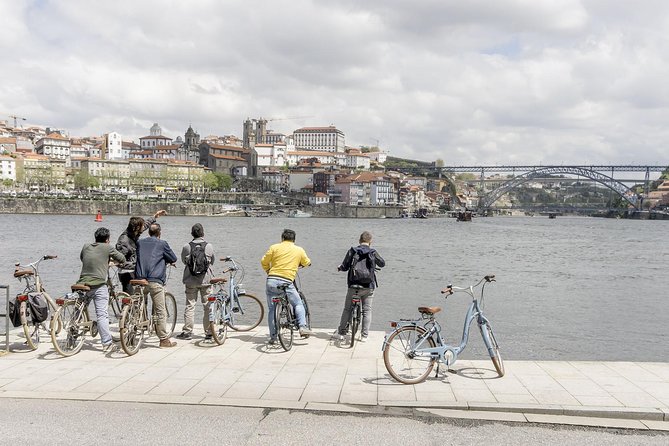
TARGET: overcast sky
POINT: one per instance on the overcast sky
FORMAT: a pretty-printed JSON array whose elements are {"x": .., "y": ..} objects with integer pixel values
[{"x": 474, "y": 81}]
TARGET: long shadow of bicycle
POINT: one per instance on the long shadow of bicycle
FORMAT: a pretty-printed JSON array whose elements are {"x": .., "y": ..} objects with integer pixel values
[{"x": 476, "y": 373}]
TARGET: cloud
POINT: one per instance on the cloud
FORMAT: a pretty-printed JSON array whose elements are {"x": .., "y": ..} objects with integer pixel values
[{"x": 469, "y": 82}]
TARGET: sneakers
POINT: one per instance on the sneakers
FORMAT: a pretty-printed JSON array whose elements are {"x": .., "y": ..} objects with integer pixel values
[
  {"x": 110, "y": 348},
  {"x": 363, "y": 338},
  {"x": 167, "y": 343},
  {"x": 185, "y": 335},
  {"x": 271, "y": 341},
  {"x": 305, "y": 332},
  {"x": 208, "y": 337},
  {"x": 338, "y": 337}
]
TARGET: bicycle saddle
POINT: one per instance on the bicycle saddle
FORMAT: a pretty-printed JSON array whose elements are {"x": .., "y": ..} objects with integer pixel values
[
  {"x": 429, "y": 310},
  {"x": 141, "y": 282},
  {"x": 23, "y": 272},
  {"x": 80, "y": 287},
  {"x": 216, "y": 280}
]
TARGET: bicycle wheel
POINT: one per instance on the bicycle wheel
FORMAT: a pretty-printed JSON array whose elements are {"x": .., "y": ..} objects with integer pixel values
[
  {"x": 400, "y": 357},
  {"x": 284, "y": 325},
  {"x": 307, "y": 314},
  {"x": 170, "y": 313},
  {"x": 114, "y": 310},
  {"x": 68, "y": 329},
  {"x": 493, "y": 348},
  {"x": 30, "y": 331},
  {"x": 356, "y": 314},
  {"x": 130, "y": 332},
  {"x": 246, "y": 312},
  {"x": 217, "y": 327}
]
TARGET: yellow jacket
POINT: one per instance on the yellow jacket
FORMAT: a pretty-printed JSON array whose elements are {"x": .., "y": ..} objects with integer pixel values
[{"x": 282, "y": 260}]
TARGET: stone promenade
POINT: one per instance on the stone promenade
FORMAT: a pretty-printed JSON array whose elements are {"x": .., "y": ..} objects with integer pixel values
[{"x": 322, "y": 375}]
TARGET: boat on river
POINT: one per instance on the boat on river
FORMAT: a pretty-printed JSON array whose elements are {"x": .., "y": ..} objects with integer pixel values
[{"x": 296, "y": 213}]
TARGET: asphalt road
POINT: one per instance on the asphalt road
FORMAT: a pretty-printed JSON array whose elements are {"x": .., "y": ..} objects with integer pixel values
[{"x": 59, "y": 422}]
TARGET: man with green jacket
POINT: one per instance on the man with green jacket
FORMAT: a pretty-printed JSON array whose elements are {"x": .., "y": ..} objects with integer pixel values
[{"x": 95, "y": 259}]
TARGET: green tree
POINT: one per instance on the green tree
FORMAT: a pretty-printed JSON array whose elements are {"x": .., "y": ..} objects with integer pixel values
[
  {"x": 84, "y": 181},
  {"x": 465, "y": 177},
  {"x": 210, "y": 181},
  {"x": 224, "y": 181},
  {"x": 7, "y": 182},
  {"x": 439, "y": 163}
]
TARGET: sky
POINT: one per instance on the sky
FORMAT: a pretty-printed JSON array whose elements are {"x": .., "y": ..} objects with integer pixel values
[{"x": 468, "y": 82}]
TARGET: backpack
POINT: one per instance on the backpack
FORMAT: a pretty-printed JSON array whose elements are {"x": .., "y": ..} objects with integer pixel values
[
  {"x": 198, "y": 262},
  {"x": 362, "y": 268}
]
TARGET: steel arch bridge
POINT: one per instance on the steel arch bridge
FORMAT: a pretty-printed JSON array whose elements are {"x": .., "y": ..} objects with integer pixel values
[{"x": 619, "y": 188}]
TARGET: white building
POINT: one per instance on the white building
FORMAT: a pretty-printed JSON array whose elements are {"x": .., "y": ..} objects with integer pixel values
[
  {"x": 155, "y": 138},
  {"x": 271, "y": 155},
  {"x": 378, "y": 157},
  {"x": 54, "y": 145},
  {"x": 113, "y": 145},
  {"x": 7, "y": 168},
  {"x": 324, "y": 139},
  {"x": 319, "y": 198},
  {"x": 357, "y": 160}
]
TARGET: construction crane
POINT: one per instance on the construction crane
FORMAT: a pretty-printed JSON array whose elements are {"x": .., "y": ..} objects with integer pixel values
[{"x": 15, "y": 118}]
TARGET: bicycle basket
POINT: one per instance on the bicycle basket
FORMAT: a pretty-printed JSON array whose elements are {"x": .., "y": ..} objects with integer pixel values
[{"x": 39, "y": 307}]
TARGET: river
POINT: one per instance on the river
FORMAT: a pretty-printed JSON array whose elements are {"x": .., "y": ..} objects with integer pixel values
[{"x": 571, "y": 288}]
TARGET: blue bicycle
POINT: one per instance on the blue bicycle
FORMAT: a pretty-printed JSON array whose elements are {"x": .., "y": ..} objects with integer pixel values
[
  {"x": 415, "y": 345},
  {"x": 234, "y": 307}
]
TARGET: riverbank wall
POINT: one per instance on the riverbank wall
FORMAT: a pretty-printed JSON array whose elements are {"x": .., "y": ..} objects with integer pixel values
[{"x": 124, "y": 207}]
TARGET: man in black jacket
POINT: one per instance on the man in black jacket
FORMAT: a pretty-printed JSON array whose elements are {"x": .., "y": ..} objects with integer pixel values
[
  {"x": 366, "y": 292},
  {"x": 153, "y": 255}
]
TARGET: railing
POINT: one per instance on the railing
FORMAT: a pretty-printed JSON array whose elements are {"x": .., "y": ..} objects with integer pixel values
[{"x": 6, "y": 316}]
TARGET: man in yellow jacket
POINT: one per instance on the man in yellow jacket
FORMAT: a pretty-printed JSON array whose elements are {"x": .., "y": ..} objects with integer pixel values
[{"x": 280, "y": 262}]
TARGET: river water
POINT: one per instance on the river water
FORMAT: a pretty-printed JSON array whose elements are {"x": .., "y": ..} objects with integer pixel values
[{"x": 571, "y": 288}]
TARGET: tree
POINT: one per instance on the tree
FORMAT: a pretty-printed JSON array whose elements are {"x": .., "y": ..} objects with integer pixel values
[
  {"x": 439, "y": 163},
  {"x": 7, "y": 182},
  {"x": 84, "y": 181},
  {"x": 210, "y": 181},
  {"x": 224, "y": 181}
]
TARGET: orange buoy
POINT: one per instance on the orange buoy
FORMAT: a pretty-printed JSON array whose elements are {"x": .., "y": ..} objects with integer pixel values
[{"x": 99, "y": 216}]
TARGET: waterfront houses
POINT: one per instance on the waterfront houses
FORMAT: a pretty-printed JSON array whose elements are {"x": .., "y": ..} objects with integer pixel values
[
  {"x": 7, "y": 168},
  {"x": 366, "y": 188},
  {"x": 323, "y": 139},
  {"x": 54, "y": 145}
]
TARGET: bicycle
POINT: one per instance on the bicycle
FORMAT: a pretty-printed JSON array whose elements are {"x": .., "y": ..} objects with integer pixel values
[
  {"x": 234, "y": 308},
  {"x": 285, "y": 319},
  {"x": 72, "y": 321},
  {"x": 355, "y": 318},
  {"x": 412, "y": 348},
  {"x": 33, "y": 284},
  {"x": 134, "y": 319}
]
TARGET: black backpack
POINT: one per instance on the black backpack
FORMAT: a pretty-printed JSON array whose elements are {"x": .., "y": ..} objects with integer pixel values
[
  {"x": 39, "y": 307},
  {"x": 362, "y": 268},
  {"x": 198, "y": 262}
]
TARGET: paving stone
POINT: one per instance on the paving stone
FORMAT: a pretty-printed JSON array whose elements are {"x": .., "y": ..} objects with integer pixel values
[
  {"x": 656, "y": 425},
  {"x": 614, "y": 412},
  {"x": 473, "y": 415}
]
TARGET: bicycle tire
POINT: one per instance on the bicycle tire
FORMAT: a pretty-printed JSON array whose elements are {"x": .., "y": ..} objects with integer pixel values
[
  {"x": 246, "y": 313},
  {"x": 131, "y": 335},
  {"x": 307, "y": 314},
  {"x": 399, "y": 359},
  {"x": 67, "y": 333},
  {"x": 284, "y": 325},
  {"x": 114, "y": 311},
  {"x": 356, "y": 314},
  {"x": 170, "y": 313},
  {"x": 493, "y": 349},
  {"x": 32, "y": 337},
  {"x": 218, "y": 326}
]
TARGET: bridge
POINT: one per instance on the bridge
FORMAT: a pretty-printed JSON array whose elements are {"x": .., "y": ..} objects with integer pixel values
[{"x": 602, "y": 174}]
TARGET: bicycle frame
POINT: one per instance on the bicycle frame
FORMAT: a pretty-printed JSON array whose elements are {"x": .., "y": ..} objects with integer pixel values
[
  {"x": 34, "y": 282},
  {"x": 444, "y": 352}
]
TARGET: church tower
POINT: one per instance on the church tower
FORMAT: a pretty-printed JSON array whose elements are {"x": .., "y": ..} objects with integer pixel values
[{"x": 191, "y": 151}]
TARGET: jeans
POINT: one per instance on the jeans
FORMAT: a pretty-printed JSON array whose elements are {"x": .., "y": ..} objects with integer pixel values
[
  {"x": 293, "y": 297},
  {"x": 366, "y": 296},
  {"x": 189, "y": 312},
  {"x": 158, "y": 310},
  {"x": 100, "y": 297}
]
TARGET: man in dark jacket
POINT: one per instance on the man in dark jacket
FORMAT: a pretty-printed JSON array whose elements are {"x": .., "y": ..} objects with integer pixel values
[
  {"x": 153, "y": 255},
  {"x": 127, "y": 245},
  {"x": 95, "y": 259},
  {"x": 364, "y": 291}
]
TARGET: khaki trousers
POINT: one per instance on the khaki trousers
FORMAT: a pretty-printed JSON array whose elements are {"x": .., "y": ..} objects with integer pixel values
[
  {"x": 158, "y": 311},
  {"x": 189, "y": 312}
]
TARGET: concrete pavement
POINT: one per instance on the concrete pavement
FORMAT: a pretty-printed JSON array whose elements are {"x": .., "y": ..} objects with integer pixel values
[{"x": 320, "y": 374}]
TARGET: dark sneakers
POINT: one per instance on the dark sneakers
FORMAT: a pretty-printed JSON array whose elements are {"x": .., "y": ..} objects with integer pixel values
[{"x": 186, "y": 336}]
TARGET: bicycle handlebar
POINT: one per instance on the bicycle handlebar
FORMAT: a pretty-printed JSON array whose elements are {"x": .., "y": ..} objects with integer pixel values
[
  {"x": 49, "y": 257},
  {"x": 450, "y": 289}
]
